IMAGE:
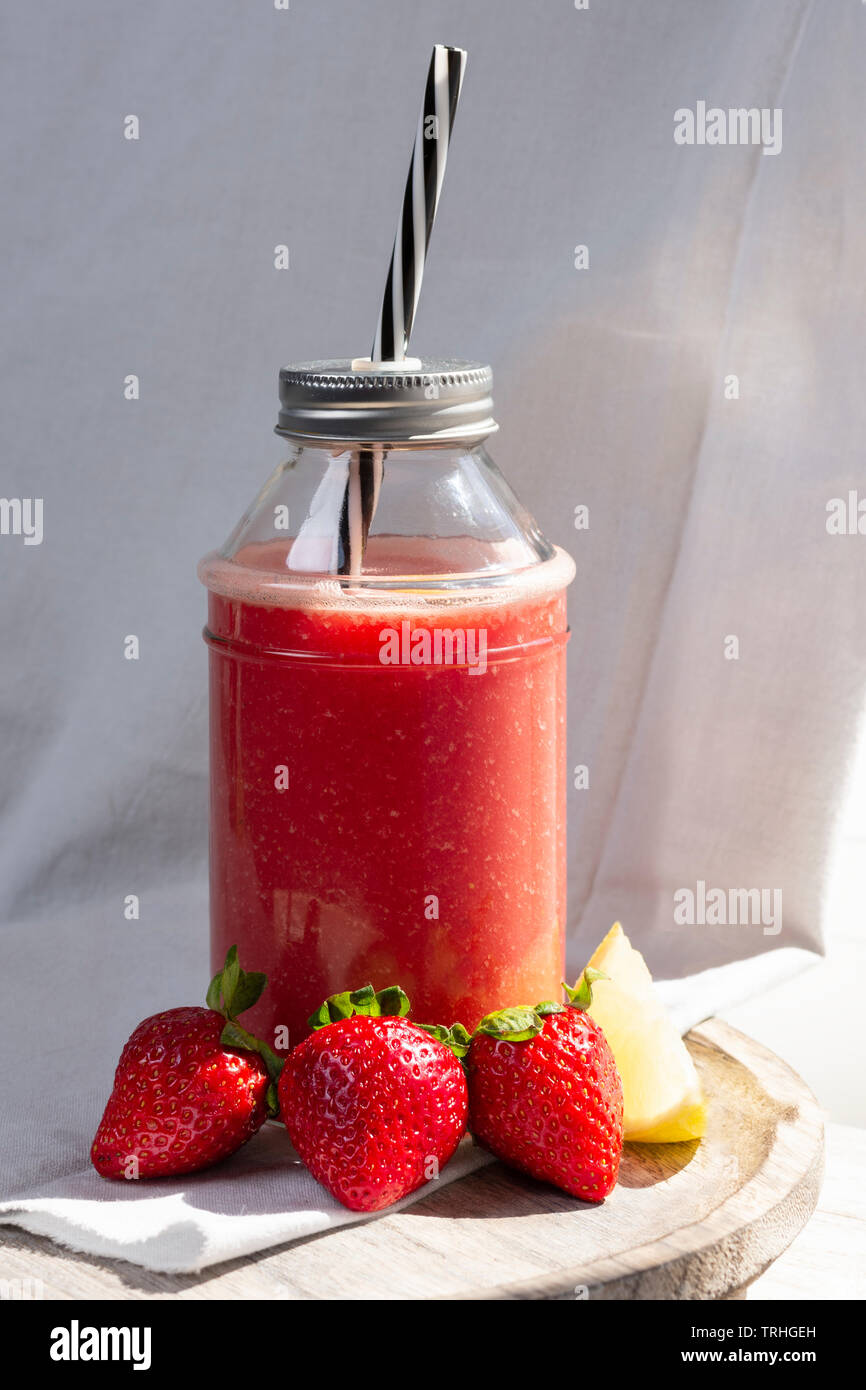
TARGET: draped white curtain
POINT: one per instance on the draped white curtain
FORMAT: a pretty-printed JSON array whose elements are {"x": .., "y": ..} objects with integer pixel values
[{"x": 709, "y": 761}]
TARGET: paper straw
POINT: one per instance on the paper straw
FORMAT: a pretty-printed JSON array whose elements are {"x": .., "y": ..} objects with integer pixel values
[
  {"x": 366, "y": 468},
  {"x": 403, "y": 286},
  {"x": 420, "y": 201}
]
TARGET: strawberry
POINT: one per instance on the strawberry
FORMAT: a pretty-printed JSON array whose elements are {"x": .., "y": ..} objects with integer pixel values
[
  {"x": 545, "y": 1095},
  {"x": 191, "y": 1086},
  {"x": 375, "y": 1105}
]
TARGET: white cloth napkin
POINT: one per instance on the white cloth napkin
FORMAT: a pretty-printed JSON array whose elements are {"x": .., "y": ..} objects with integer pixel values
[
  {"x": 714, "y": 991},
  {"x": 261, "y": 1197}
]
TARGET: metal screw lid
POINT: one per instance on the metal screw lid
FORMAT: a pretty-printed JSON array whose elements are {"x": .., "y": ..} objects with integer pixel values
[{"x": 406, "y": 402}]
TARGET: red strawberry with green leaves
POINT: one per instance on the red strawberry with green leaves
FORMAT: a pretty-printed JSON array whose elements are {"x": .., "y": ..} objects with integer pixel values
[
  {"x": 545, "y": 1095},
  {"x": 374, "y": 1104},
  {"x": 191, "y": 1086}
]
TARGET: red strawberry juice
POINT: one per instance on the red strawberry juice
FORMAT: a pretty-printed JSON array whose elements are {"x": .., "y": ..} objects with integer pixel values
[{"x": 387, "y": 797}]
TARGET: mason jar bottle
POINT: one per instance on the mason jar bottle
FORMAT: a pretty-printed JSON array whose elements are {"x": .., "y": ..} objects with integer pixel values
[{"x": 387, "y": 633}]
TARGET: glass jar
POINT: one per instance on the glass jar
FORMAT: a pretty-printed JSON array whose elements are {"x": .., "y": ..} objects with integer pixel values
[{"x": 388, "y": 713}]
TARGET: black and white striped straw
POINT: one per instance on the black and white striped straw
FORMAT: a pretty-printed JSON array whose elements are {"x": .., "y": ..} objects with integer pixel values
[
  {"x": 403, "y": 286},
  {"x": 366, "y": 467},
  {"x": 420, "y": 201}
]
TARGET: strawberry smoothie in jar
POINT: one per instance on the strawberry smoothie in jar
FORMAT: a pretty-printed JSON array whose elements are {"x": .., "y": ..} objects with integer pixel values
[{"x": 387, "y": 634}]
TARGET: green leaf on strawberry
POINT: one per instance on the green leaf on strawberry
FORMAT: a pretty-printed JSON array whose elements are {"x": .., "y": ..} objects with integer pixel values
[
  {"x": 393, "y": 1003},
  {"x": 230, "y": 992},
  {"x": 363, "y": 1002},
  {"x": 581, "y": 996},
  {"x": 512, "y": 1025},
  {"x": 548, "y": 1006},
  {"x": 456, "y": 1038}
]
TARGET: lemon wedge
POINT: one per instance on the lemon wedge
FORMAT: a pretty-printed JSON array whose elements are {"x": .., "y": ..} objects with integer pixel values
[{"x": 662, "y": 1095}]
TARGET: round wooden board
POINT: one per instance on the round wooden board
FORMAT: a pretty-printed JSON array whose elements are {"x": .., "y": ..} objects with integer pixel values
[{"x": 686, "y": 1221}]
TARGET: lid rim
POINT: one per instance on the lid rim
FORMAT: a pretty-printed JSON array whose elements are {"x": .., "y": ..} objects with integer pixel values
[
  {"x": 452, "y": 435},
  {"x": 443, "y": 400}
]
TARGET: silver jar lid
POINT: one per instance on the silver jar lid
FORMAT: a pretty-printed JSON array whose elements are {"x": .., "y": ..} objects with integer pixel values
[{"x": 412, "y": 401}]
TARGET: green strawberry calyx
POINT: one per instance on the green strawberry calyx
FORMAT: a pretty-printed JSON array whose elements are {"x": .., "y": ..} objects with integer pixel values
[
  {"x": 524, "y": 1022},
  {"x": 580, "y": 997},
  {"x": 456, "y": 1038},
  {"x": 518, "y": 1024},
  {"x": 230, "y": 992},
  {"x": 393, "y": 1002},
  {"x": 363, "y": 1003}
]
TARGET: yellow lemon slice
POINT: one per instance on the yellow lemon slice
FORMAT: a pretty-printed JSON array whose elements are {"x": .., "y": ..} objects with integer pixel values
[{"x": 662, "y": 1095}]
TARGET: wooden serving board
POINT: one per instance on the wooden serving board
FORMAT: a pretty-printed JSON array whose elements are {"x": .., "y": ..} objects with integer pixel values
[{"x": 686, "y": 1221}]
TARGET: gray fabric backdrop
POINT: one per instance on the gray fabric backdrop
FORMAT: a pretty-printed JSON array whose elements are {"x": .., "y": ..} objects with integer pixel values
[{"x": 707, "y": 514}]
